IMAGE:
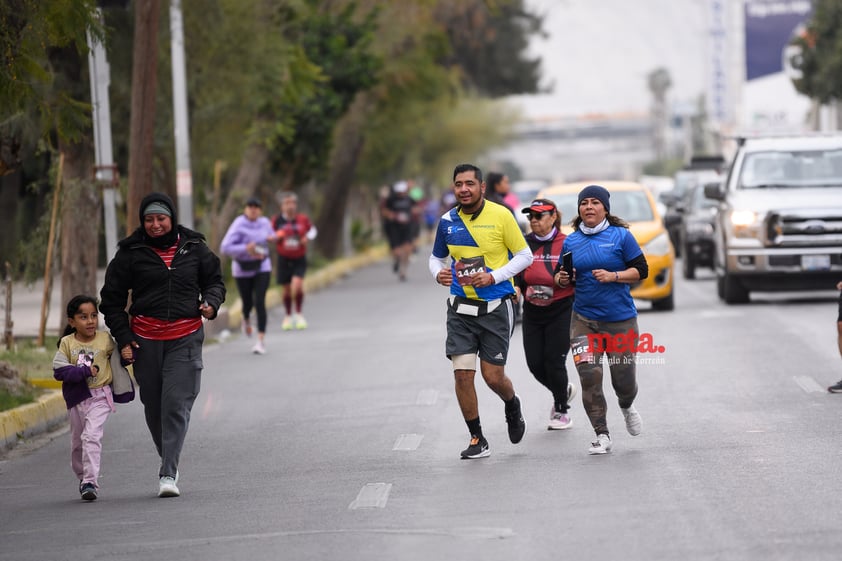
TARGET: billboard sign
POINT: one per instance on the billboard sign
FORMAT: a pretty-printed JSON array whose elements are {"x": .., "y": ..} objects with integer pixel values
[{"x": 770, "y": 102}]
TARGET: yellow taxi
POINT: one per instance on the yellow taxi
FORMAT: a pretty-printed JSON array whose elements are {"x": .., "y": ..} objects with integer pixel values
[{"x": 635, "y": 204}]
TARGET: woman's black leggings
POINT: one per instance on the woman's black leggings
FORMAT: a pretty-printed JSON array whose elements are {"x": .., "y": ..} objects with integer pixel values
[
  {"x": 546, "y": 342},
  {"x": 253, "y": 294}
]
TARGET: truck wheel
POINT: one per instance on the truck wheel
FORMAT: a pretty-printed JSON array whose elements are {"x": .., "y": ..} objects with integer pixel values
[
  {"x": 664, "y": 304},
  {"x": 688, "y": 265},
  {"x": 733, "y": 292}
]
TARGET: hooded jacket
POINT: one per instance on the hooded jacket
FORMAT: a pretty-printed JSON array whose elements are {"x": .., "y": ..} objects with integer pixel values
[{"x": 157, "y": 291}]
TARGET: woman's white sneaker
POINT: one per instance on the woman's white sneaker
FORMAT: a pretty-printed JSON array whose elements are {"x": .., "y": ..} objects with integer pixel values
[
  {"x": 634, "y": 424},
  {"x": 602, "y": 445}
]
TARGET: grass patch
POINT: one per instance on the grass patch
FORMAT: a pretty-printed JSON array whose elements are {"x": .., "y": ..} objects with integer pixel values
[
  {"x": 32, "y": 362},
  {"x": 10, "y": 401},
  {"x": 32, "y": 365}
]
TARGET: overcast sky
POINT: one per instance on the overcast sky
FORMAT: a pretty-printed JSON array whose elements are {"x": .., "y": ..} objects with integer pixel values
[{"x": 598, "y": 54}]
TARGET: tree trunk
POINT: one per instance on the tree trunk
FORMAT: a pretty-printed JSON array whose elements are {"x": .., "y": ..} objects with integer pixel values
[
  {"x": 144, "y": 82},
  {"x": 348, "y": 145},
  {"x": 249, "y": 176},
  {"x": 81, "y": 209}
]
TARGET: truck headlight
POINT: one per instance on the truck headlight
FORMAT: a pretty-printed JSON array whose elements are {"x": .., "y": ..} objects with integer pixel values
[
  {"x": 659, "y": 245},
  {"x": 746, "y": 224}
]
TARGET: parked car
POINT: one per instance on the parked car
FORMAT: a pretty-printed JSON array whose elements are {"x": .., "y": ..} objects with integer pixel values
[
  {"x": 635, "y": 204},
  {"x": 685, "y": 181},
  {"x": 696, "y": 234},
  {"x": 779, "y": 225}
]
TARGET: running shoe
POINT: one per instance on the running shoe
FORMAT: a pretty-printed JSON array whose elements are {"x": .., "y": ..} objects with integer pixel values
[
  {"x": 836, "y": 388},
  {"x": 286, "y": 325},
  {"x": 88, "y": 491},
  {"x": 633, "y": 420},
  {"x": 602, "y": 445},
  {"x": 478, "y": 448},
  {"x": 559, "y": 421},
  {"x": 258, "y": 348},
  {"x": 300, "y": 322},
  {"x": 246, "y": 326},
  {"x": 514, "y": 419},
  {"x": 167, "y": 487}
]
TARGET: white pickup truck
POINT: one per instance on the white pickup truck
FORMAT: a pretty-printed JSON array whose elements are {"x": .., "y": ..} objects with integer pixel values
[{"x": 779, "y": 225}]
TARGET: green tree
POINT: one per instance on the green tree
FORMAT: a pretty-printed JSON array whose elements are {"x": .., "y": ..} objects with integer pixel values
[
  {"x": 33, "y": 103},
  {"x": 821, "y": 53},
  {"x": 339, "y": 42},
  {"x": 488, "y": 44},
  {"x": 422, "y": 80},
  {"x": 44, "y": 95}
]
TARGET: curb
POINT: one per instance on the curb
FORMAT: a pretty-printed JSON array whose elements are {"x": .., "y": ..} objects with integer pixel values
[{"x": 46, "y": 414}]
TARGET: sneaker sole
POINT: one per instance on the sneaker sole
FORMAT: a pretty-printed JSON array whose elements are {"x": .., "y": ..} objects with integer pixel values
[
  {"x": 565, "y": 427},
  {"x": 601, "y": 452},
  {"x": 164, "y": 493},
  {"x": 483, "y": 454},
  {"x": 89, "y": 496}
]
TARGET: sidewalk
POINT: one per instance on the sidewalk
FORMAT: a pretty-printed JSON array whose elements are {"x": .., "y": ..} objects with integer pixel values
[
  {"x": 26, "y": 307},
  {"x": 50, "y": 411}
]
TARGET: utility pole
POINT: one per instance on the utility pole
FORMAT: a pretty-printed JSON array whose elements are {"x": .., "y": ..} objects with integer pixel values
[
  {"x": 184, "y": 177},
  {"x": 105, "y": 170}
]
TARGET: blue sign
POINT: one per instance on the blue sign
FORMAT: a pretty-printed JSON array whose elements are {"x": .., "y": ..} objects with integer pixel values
[{"x": 770, "y": 25}]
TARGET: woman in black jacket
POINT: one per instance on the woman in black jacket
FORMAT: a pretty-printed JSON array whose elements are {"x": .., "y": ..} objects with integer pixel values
[{"x": 175, "y": 282}]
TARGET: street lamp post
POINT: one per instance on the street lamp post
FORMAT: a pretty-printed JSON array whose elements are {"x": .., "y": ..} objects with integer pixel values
[{"x": 184, "y": 177}]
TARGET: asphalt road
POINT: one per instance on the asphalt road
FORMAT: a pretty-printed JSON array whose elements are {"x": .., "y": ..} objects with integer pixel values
[{"x": 343, "y": 442}]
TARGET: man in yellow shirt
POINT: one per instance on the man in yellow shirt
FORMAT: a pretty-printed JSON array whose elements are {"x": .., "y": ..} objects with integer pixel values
[{"x": 478, "y": 249}]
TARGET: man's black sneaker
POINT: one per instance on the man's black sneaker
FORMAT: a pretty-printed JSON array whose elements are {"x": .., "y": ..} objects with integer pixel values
[
  {"x": 514, "y": 418},
  {"x": 478, "y": 448},
  {"x": 88, "y": 491},
  {"x": 836, "y": 388}
]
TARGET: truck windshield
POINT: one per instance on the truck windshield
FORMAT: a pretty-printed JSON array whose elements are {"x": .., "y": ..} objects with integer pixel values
[{"x": 815, "y": 168}]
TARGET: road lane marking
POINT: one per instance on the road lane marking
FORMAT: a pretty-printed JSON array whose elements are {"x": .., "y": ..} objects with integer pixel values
[
  {"x": 372, "y": 495},
  {"x": 408, "y": 442},
  {"x": 427, "y": 397},
  {"x": 808, "y": 384}
]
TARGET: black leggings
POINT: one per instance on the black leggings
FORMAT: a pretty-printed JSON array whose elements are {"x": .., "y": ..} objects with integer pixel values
[
  {"x": 253, "y": 294},
  {"x": 546, "y": 342}
]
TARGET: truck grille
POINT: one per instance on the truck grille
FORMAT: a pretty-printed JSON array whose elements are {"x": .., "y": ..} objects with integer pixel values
[{"x": 804, "y": 228}]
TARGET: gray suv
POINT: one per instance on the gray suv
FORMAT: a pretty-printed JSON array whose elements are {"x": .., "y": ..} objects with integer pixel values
[{"x": 779, "y": 221}]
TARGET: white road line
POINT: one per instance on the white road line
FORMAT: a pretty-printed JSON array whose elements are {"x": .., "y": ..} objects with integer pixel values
[
  {"x": 808, "y": 384},
  {"x": 427, "y": 397},
  {"x": 372, "y": 495},
  {"x": 408, "y": 442}
]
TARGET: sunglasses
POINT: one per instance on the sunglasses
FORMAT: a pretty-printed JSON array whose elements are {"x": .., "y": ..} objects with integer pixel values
[{"x": 538, "y": 215}]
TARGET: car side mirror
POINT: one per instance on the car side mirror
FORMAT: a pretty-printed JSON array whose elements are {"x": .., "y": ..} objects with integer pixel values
[
  {"x": 667, "y": 198},
  {"x": 714, "y": 191}
]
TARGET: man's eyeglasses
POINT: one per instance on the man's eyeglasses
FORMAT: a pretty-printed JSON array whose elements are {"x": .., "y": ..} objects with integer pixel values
[{"x": 538, "y": 215}]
